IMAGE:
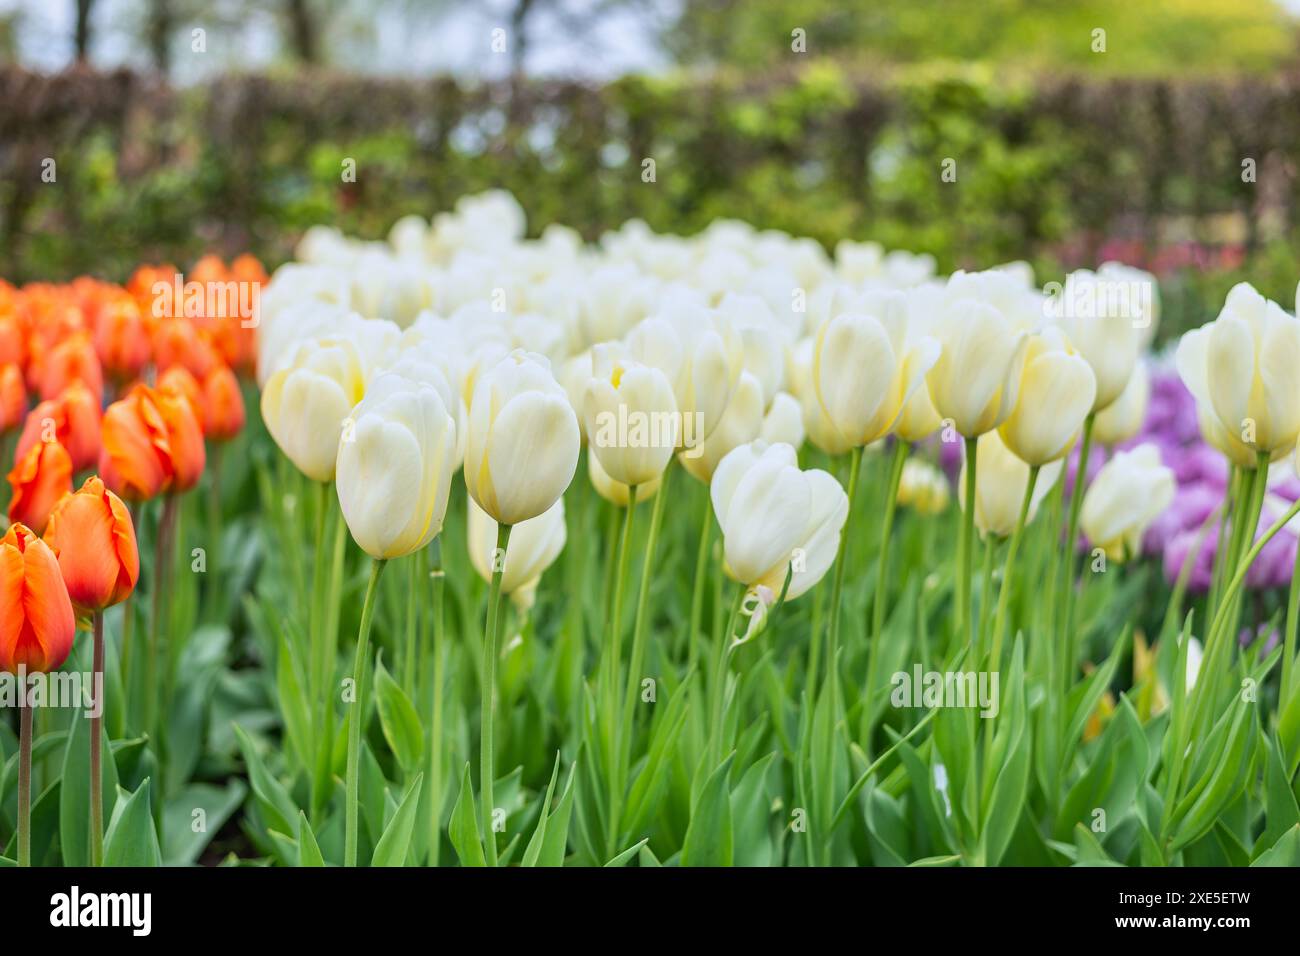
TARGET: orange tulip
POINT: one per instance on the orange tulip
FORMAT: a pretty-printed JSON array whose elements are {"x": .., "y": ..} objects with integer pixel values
[
  {"x": 93, "y": 536},
  {"x": 121, "y": 340},
  {"x": 13, "y": 397},
  {"x": 136, "y": 458},
  {"x": 73, "y": 359},
  {"x": 36, "y": 622},
  {"x": 223, "y": 405},
  {"x": 13, "y": 341},
  {"x": 179, "y": 381},
  {"x": 179, "y": 342},
  {"x": 72, "y": 419},
  {"x": 184, "y": 437},
  {"x": 39, "y": 479}
]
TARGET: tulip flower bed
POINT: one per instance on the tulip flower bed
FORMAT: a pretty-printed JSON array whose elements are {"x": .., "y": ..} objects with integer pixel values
[{"x": 664, "y": 551}]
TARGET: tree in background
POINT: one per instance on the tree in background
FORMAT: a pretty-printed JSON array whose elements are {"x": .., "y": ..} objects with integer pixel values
[{"x": 1153, "y": 36}]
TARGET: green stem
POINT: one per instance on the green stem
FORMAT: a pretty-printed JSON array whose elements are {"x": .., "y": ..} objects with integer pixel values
[
  {"x": 488, "y": 691},
  {"x": 323, "y": 667},
  {"x": 409, "y": 668},
  {"x": 1225, "y": 617},
  {"x": 1071, "y": 552},
  {"x": 986, "y": 584},
  {"x": 435, "y": 724},
  {"x": 722, "y": 645},
  {"x": 882, "y": 571},
  {"x": 697, "y": 586},
  {"x": 833, "y": 632},
  {"x": 965, "y": 547},
  {"x": 162, "y": 564},
  {"x": 1004, "y": 594},
  {"x": 214, "y": 524},
  {"x": 637, "y": 659},
  {"x": 614, "y": 649},
  {"x": 96, "y": 745},
  {"x": 1288, "y": 644},
  {"x": 1217, "y": 575},
  {"x": 356, "y": 715},
  {"x": 24, "y": 780}
]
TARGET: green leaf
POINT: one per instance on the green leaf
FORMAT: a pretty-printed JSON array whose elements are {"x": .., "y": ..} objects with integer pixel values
[
  {"x": 74, "y": 795},
  {"x": 1281, "y": 811},
  {"x": 131, "y": 839},
  {"x": 1222, "y": 781},
  {"x": 293, "y": 700},
  {"x": 395, "y": 844},
  {"x": 534, "y": 849},
  {"x": 623, "y": 858},
  {"x": 1011, "y": 749},
  {"x": 397, "y": 717},
  {"x": 1286, "y": 852},
  {"x": 308, "y": 849},
  {"x": 751, "y": 808},
  {"x": 556, "y": 841},
  {"x": 463, "y": 828},
  {"x": 272, "y": 798},
  {"x": 183, "y": 836},
  {"x": 709, "y": 836}
]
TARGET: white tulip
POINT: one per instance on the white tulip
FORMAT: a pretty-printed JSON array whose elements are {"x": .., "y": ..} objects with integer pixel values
[
  {"x": 533, "y": 547},
  {"x": 775, "y": 517},
  {"x": 395, "y": 465},
  {"x": 1129, "y": 493},
  {"x": 522, "y": 446}
]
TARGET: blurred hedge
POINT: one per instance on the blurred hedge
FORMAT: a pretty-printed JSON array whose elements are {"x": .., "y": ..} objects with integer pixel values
[{"x": 1051, "y": 168}]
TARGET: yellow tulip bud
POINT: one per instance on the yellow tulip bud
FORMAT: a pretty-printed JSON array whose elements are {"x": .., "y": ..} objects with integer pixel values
[
  {"x": 1000, "y": 481},
  {"x": 306, "y": 403}
]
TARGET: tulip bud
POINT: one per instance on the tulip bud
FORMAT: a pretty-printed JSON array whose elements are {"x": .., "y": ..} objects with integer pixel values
[
  {"x": 740, "y": 424},
  {"x": 1129, "y": 493},
  {"x": 820, "y": 430},
  {"x": 1000, "y": 480},
  {"x": 922, "y": 487},
  {"x": 783, "y": 422},
  {"x": 306, "y": 402},
  {"x": 136, "y": 458},
  {"x": 615, "y": 492},
  {"x": 864, "y": 371},
  {"x": 184, "y": 437},
  {"x": 395, "y": 466},
  {"x": 72, "y": 418},
  {"x": 522, "y": 448},
  {"x": 976, "y": 379},
  {"x": 1244, "y": 371},
  {"x": 918, "y": 419},
  {"x": 13, "y": 397},
  {"x": 533, "y": 547},
  {"x": 39, "y": 479},
  {"x": 1056, "y": 392},
  {"x": 775, "y": 517},
  {"x": 700, "y": 352},
  {"x": 121, "y": 341},
  {"x": 223, "y": 405},
  {"x": 1123, "y": 418},
  {"x": 1107, "y": 329},
  {"x": 93, "y": 536},
  {"x": 72, "y": 360},
  {"x": 36, "y": 620},
  {"x": 178, "y": 341},
  {"x": 631, "y": 417}
]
